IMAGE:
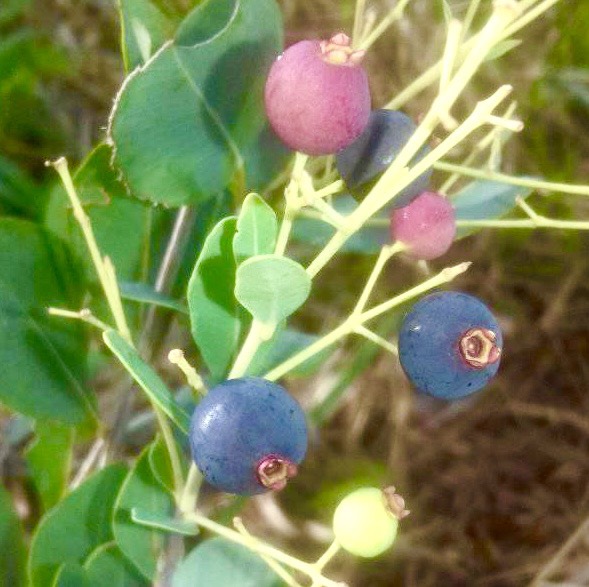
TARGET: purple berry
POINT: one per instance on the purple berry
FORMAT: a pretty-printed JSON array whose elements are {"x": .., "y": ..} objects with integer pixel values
[
  {"x": 317, "y": 96},
  {"x": 247, "y": 436},
  {"x": 450, "y": 345},
  {"x": 427, "y": 226},
  {"x": 363, "y": 162}
]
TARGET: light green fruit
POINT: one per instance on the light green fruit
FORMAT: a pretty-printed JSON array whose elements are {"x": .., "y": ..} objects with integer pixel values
[{"x": 362, "y": 523}]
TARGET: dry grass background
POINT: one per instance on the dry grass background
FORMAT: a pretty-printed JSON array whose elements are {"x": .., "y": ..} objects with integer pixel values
[{"x": 498, "y": 485}]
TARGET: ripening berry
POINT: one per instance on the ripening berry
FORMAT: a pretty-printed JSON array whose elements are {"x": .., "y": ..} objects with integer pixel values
[
  {"x": 427, "y": 226},
  {"x": 364, "y": 161},
  {"x": 450, "y": 345},
  {"x": 247, "y": 436},
  {"x": 365, "y": 522},
  {"x": 317, "y": 96}
]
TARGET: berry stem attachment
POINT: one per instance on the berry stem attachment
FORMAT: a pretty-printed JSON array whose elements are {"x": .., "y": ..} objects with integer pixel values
[{"x": 176, "y": 357}]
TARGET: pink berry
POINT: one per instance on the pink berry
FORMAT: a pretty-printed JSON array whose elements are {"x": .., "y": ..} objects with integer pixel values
[
  {"x": 317, "y": 96},
  {"x": 427, "y": 226}
]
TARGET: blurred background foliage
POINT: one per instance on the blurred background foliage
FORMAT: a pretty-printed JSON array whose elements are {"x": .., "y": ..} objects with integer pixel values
[{"x": 496, "y": 485}]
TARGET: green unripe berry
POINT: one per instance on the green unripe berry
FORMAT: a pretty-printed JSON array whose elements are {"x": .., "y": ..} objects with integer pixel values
[{"x": 365, "y": 521}]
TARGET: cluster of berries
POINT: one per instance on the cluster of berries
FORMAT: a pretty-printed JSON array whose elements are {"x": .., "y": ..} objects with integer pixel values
[{"x": 248, "y": 435}]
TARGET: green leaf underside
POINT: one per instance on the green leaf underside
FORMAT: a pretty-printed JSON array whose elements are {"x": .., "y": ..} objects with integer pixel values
[
  {"x": 219, "y": 563},
  {"x": 49, "y": 461},
  {"x": 485, "y": 200},
  {"x": 108, "y": 567},
  {"x": 76, "y": 526},
  {"x": 43, "y": 357},
  {"x": 144, "y": 293},
  {"x": 141, "y": 545},
  {"x": 271, "y": 287},
  {"x": 161, "y": 466},
  {"x": 12, "y": 549},
  {"x": 257, "y": 229},
  {"x": 145, "y": 27},
  {"x": 147, "y": 378},
  {"x": 215, "y": 316},
  {"x": 191, "y": 121},
  {"x": 166, "y": 524},
  {"x": 120, "y": 223}
]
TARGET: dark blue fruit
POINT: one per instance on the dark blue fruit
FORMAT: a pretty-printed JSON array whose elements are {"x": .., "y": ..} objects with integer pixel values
[
  {"x": 450, "y": 345},
  {"x": 362, "y": 163},
  {"x": 247, "y": 436}
]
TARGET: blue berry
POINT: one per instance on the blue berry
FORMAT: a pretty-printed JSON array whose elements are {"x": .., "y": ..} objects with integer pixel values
[
  {"x": 247, "y": 436},
  {"x": 361, "y": 164},
  {"x": 450, "y": 345}
]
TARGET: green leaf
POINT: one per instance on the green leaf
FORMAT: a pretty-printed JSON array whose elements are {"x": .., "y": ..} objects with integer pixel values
[
  {"x": 49, "y": 461},
  {"x": 485, "y": 200},
  {"x": 271, "y": 287},
  {"x": 144, "y": 293},
  {"x": 71, "y": 575},
  {"x": 502, "y": 48},
  {"x": 257, "y": 229},
  {"x": 139, "y": 544},
  {"x": 219, "y": 563},
  {"x": 145, "y": 27},
  {"x": 283, "y": 345},
  {"x": 18, "y": 194},
  {"x": 147, "y": 378},
  {"x": 12, "y": 548},
  {"x": 76, "y": 526},
  {"x": 43, "y": 357},
  {"x": 215, "y": 315},
  {"x": 368, "y": 240},
  {"x": 121, "y": 224},
  {"x": 191, "y": 122},
  {"x": 161, "y": 466},
  {"x": 164, "y": 523},
  {"x": 107, "y": 567}
]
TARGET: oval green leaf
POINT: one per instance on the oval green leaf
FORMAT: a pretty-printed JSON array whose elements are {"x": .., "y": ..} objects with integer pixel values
[
  {"x": 271, "y": 287},
  {"x": 12, "y": 548},
  {"x": 147, "y": 378},
  {"x": 141, "y": 545},
  {"x": 220, "y": 563},
  {"x": 257, "y": 229},
  {"x": 215, "y": 316},
  {"x": 191, "y": 121},
  {"x": 43, "y": 357},
  {"x": 76, "y": 526},
  {"x": 107, "y": 567}
]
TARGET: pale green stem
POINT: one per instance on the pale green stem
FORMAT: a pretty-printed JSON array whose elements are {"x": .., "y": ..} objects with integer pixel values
[
  {"x": 376, "y": 339},
  {"x": 469, "y": 16},
  {"x": 395, "y": 14},
  {"x": 450, "y": 53},
  {"x": 276, "y": 567},
  {"x": 331, "y": 551},
  {"x": 384, "y": 256},
  {"x": 102, "y": 264},
  {"x": 431, "y": 75},
  {"x": 358, "y": 17},
  {"x": 107, "y": 276},
  {"x": 176, "y": 357},
  {"x": 84, "y": 315},
  {"x": 391, "y": 183},
  {"x": 261, "y": 548},
  {"x": 489, "y": 139},
  {"x": 528, "y": 223},
  {"x": 536, "y": 184},
  {"x": 189, "y": 496},
  {"x": 257, "y": 335},
  {"x": 355, "y": 320}
]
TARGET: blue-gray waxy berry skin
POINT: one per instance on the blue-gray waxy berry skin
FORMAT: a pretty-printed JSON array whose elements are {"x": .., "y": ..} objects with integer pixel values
[
  {"x": 361, "y": 163},
  {"x": 237, "y": 424},
  {"x": 429, "y": 344}
]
